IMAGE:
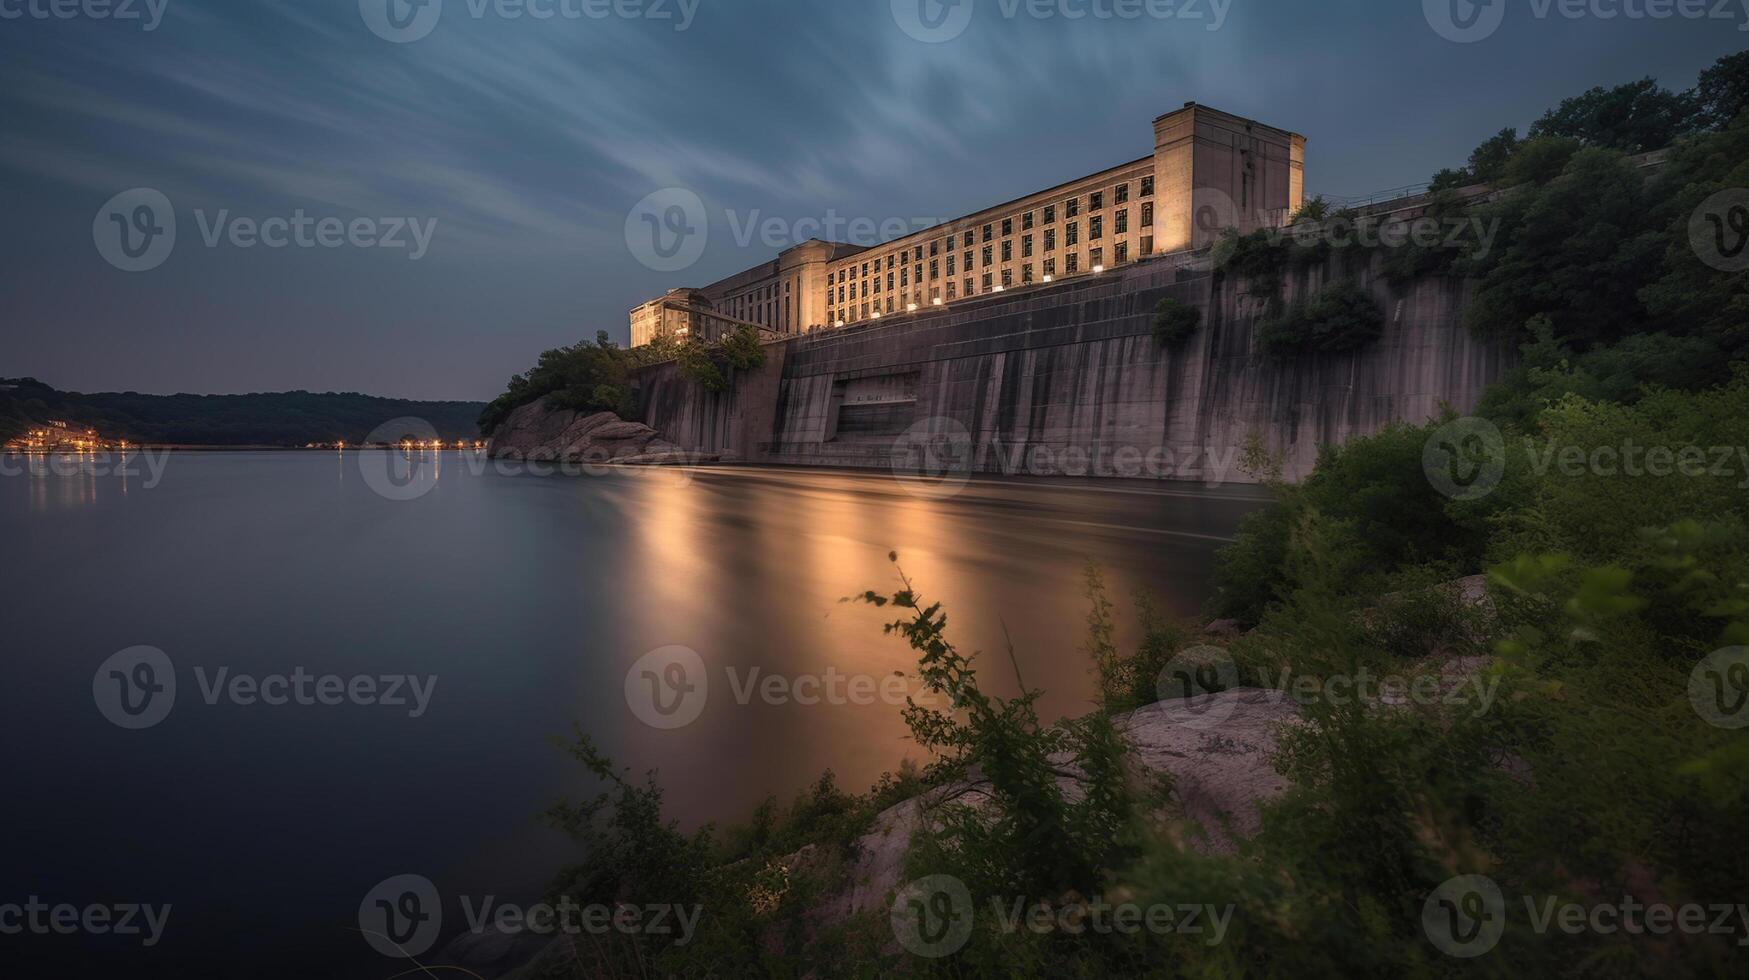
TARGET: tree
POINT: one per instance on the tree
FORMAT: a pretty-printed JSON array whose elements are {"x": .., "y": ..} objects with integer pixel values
[
  {"x": 1633, "y": 118},
  {"x": 1488, "y": 161},
  {"x": 1723, "y": 91}
]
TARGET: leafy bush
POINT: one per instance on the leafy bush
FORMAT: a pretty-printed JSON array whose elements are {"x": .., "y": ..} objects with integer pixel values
[
  {"x": 1175, "y": 322},
  {"x": 1341, "y": 317}
]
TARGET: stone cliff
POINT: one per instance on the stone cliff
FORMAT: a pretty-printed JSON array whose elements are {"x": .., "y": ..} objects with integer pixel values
[{"x": 542, "y": 430}]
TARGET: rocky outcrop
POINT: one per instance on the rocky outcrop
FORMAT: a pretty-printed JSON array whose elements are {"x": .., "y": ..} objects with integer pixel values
[{"x": 544, "y": 431}]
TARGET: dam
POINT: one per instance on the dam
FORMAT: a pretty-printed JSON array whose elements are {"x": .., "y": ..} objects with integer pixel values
[{"x": 1067, "y": 378}]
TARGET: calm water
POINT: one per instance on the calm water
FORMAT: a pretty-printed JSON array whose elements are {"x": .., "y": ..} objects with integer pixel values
[{"x": 528, "y": 599}]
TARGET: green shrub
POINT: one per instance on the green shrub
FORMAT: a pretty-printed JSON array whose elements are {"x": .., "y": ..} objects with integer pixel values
[
  {"x": 1175, "y": 322},
  {"x": 1341, "y": 317}
]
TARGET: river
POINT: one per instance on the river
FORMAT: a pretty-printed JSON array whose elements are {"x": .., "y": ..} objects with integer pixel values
[{"x": 370, "y": 677}]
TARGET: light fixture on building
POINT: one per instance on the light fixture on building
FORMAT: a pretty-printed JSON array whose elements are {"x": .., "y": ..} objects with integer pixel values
[
  {"x": 997, "y": 289},
  {"x": 1047, "y": 279},
  {"x": 936, "y": 301},
  {"x": 1098, "y": 269},
  {"x": 876, "y": 315},
  {"x": 840, "y": 323},
  {"x": 910, "y": 307}
]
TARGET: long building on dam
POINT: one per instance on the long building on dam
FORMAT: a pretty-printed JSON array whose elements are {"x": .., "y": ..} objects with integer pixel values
[{"x": 1209, "y": 170}]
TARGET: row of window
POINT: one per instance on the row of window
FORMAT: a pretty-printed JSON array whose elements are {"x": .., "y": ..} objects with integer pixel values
[
  {"x": 969, "y": 238},
  {"x": 847, "y": 308}
]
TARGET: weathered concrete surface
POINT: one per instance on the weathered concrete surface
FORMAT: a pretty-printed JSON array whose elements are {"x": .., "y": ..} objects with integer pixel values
[{"x": 1067, "y": 378}]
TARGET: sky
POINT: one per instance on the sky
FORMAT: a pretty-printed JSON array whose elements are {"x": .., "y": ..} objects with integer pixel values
[{"x": 414, "y": 198}]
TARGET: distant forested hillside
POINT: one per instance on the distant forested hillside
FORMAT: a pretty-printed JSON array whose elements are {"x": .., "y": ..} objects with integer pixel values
[{"x": 292, "y": 418}]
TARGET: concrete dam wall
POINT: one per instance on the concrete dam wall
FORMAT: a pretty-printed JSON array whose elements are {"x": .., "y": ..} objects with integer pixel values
[{"x": 1067, "y": 379}]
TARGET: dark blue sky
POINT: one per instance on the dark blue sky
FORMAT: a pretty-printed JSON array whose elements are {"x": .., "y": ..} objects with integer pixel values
[{"x": 529, "y": 140}]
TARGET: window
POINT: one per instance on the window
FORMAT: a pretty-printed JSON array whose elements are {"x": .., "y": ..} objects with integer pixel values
[
  {"x": 889, "y": 264},
  {"x": 889, "y": 304},
  {"x": 934, "y": 248},
  {"x": 1026, "y": 272},
  {"x": 1071, "y": 207},
  {"x": 950, "y": 265},
  {"x": 877, "y": 284},
  {"x": 1096, "y": 257},
  {"x": 904, "y": 277},
  {"x": 889, "y": 281},
  {"x": 1008, "y": 250},
  {"x": 1123, "y": 221},
  {"x": 1072, "y": 263},
  {"x": 934, "y": 269},
  {"x": 918, "y": 257},
  {"x": 1121, "y": 253},
  {"x": 1095, "y": 228},
  {"x": 987, "y": 232},
  {"x": 1026, "y": 246},
  {"x": 1147, "y": 246},
  {"x": 968, "y": 262},
  {"x": 1148, "y": 215},
  {"x": 1122, "y": 193},
  {"x": 917, "y": 274},
  {"x": 986, "y": 255},
  {"x": 1007, "y": 278},
  {"x": 1147, "y": 187},
  {"x": 865, "y": 268},
  {"x": 1026, "y": 221},
  {"x": 968, "y": 287},
  {"x": 1050, "y": 267},
  {"x": 1072, "y": 233},
  {"x": 1050, "y": 214},
  {"x": 1096, "y": 201},
  {"x": 1050, "y": 239},
  {"x": 987, "y": 282},
  {"x": 950, "y": 290},
  {"x": 1007, "y": 227}
]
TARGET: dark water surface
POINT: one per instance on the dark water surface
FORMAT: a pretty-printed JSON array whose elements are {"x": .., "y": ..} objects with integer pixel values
[{"x": 528, "y": 599}]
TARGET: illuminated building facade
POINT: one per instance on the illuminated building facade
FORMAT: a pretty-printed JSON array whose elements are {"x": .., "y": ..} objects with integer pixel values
[{"x": 1210, "y": 170}]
